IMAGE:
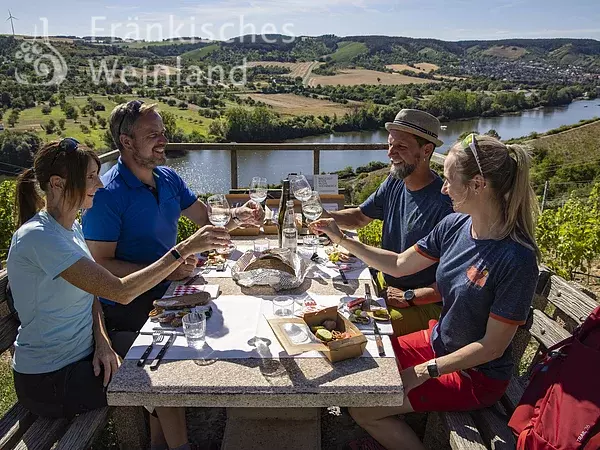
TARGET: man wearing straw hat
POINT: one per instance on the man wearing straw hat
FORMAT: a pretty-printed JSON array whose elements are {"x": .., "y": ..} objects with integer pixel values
[{"x": 410, "y": 204}]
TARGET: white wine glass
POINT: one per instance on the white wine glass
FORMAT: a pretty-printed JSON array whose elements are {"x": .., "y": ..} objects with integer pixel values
[
  {"x": 301, "y": 188},
  {"x": 258, "y": 189},
  {"x": 219, "y": 214},
  {"x": 311, "y": 207}
]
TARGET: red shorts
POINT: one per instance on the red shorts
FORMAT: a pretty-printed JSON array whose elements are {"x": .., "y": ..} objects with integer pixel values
[{"x": 459, "y": 391}]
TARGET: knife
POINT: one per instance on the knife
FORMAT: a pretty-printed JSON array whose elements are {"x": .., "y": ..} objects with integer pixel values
[
  {"x": 343, "y": 275},
  {"x": 162, "y": 352},
  {"x": 147, "y": 352},
  {"x": 378, "y": 340},
  {"x": 191, "y": 280}
]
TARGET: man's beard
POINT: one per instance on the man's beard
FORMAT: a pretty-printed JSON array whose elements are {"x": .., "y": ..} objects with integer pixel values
[
  {"x": 148, "y": 162},
  {"x": 401, "y": 171}
]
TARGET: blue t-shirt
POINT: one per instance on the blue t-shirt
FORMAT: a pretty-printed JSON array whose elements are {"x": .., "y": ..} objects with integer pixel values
[
  {"x": 478, "y": 279},
  {"x": 407, "y": 217},
  {"x": 56, "y": 317},
  {"x": 127, "y": 212}
]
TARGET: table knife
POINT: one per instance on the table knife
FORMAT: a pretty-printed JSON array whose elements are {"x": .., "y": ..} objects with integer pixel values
[
  {"x": 343, "y": 275},
  {"x": 191, "y": 280},
  {"x": 378, "y": 340},
  {"x": 162, "y": 352},
  {"x": 144, "y": 357}
]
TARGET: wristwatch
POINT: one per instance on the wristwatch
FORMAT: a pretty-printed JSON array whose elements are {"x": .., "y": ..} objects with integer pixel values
[
  {"x": 432, "y": 368},
  {"x": 409, "y": 296}
]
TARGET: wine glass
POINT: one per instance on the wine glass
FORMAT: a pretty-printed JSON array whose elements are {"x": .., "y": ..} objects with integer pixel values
[
  {"x": 311, "y": 207},
  {"x": 312, "y": 210},
  {"x": 301, "y": 188},
  {"x": 219, "y": 214},
  {"x": 258, "y": 189}
]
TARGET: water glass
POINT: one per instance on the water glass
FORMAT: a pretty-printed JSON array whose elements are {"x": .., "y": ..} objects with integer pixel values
[
  {"x": 258, "y": 189},
  {"x": 261, "y": 245},
  {"x": 219, "y": 214},
  {"x": 194, "y": 328},
  {"x": 311, "y": 244},
  {"x": 283, "y": 306}
]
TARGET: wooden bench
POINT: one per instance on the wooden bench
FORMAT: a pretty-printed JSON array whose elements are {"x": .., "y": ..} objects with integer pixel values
[
  {"x": 22, "y": 430},
  {"x": 558, "y": 308}
]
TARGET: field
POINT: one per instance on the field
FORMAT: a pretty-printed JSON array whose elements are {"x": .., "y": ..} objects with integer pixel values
[
  {"x": 32, "y": 120},
  {"x": 295, "y": 105},
  {"x": 352, "y": 77},
  {"x": 298, "y": 69},
  {"x": 348, "y": 50},
  {"x": 419, "y": 68},
  {"x": 507, "y": 52},
  {"x": 580, "y": 144}
]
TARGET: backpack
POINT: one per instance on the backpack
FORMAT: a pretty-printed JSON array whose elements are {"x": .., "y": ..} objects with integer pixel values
[{"x": 560, "y": 409}]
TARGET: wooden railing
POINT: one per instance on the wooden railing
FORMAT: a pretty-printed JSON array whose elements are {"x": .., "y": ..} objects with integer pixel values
[{"x": 233, "y": 148}]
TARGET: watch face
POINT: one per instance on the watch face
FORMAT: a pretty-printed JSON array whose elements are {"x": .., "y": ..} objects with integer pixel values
[{"x": 409, "y": 294}]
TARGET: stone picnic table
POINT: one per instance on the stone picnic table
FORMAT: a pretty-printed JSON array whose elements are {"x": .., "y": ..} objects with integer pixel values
[{"x": 270, "y": 403}]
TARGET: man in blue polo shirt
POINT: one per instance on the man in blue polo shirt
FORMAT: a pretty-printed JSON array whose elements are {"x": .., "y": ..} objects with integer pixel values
[
  {"x": 133, "y": 220},
  {"x": 410, "y": 204}
]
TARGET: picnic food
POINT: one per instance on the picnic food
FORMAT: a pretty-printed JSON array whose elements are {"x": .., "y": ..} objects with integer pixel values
[
  {"x": 184, "y": 301},
  {"x": 270, "y": 261},
  {"x": 326, "y": 332},
  {"x": 336, "y": 256},
  {"x": 324, "y": 335}
]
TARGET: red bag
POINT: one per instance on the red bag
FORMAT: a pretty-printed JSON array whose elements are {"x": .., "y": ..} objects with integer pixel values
[{"x": 560, "y": 409}]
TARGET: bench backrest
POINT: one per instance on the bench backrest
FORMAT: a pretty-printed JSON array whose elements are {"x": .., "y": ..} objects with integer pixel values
[{"x": 8, "y": 321}]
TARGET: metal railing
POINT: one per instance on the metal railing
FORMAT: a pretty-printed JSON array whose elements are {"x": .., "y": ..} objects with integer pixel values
[{"x": 233, "y": 148}]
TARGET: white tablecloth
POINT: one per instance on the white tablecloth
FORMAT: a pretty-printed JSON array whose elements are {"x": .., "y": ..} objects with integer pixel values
[{"x": 235, "y": 320}]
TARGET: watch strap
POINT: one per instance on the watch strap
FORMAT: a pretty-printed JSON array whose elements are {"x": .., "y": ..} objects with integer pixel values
[{"x": 177, "y": 255}]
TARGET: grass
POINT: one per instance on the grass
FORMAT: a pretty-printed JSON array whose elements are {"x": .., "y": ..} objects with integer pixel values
[
  {"x": 32, "y": 119},
  {"x": 7, "y": 391},
  {"x": 576, "y": 144},
  {"x": 348, "y": 50}
]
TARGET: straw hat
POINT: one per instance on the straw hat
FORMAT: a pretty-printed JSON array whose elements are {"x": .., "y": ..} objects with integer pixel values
[{"x": 417, "y": 122}]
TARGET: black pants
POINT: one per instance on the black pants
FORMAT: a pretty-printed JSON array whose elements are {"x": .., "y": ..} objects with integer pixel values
[
  {"x": 124, "y": 322},
  {"x": 69, "y": 391}
]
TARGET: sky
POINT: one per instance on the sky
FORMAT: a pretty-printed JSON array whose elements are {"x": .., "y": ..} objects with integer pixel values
[{"x": 451, "y": 20}]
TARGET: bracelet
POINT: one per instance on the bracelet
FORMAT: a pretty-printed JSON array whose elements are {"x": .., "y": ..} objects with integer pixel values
[{"x": 177, "y": 255}]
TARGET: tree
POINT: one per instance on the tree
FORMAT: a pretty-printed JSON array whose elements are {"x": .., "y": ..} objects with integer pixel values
[
  {"x": 62, "y": 123},
  {"x": 84, "y": 129},
  {"x": 50, "y": 126},
  {"x": 93, "y": 123},
  {"x": 46, "y": 110},
  {"x": 18, "y": 148},
  {"x": 13, "y": 118},
  {"x": 493, "y": 133},
  {"x": 102, "y": 122}
]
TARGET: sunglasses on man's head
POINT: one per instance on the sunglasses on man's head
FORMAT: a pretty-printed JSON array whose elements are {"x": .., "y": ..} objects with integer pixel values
[{"x": 132, "y": 107}]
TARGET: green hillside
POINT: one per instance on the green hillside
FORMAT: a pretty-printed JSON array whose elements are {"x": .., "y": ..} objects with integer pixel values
[
  {"x": 347, "y": 50},
  {"x": 200, "y": 54}
]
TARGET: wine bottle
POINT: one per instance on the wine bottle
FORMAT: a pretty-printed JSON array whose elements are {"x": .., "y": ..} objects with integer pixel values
[{"x": 285, "y": 196}]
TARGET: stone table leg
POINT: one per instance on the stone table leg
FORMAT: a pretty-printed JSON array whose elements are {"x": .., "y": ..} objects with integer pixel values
[
  {"x": 130, "y": 427},
  {"x": 269, "y": 428}
]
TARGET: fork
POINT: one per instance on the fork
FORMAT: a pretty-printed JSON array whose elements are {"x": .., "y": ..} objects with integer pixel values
[{"x": 157, "y": 338}]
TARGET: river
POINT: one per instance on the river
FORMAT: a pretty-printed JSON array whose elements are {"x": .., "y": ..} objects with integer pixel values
[{"x": 208, "y": 171}]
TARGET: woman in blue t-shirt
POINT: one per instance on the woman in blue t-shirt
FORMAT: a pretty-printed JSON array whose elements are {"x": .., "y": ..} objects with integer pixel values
[
  {"x": 486, "y": 276},
  {"x": 63, "y": 358}
]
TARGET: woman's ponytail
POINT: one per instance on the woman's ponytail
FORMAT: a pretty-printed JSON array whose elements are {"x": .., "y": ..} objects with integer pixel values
[{"x": 28, "y": 200}]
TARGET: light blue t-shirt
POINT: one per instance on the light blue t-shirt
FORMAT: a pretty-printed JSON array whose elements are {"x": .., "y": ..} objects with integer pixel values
[{"x": 56, "y": 317}]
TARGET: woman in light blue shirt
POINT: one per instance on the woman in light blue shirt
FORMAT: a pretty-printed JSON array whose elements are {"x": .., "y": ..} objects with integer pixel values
[{"x": 62, "y": 347}]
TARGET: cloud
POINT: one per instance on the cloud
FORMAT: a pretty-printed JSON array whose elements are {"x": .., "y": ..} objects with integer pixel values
[{"x": 121, "y": 8}]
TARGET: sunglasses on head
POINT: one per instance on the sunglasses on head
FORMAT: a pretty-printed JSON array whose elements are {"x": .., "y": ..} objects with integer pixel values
[
  {"x": 132, "y": 107},
  {"x": 67, "y": 145},
  {"x": 471, "y": 142}
]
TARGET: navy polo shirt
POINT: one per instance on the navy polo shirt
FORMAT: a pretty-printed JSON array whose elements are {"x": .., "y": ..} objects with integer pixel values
[
  {"x": 141, "y": 220},
  {"x": 407, "y": 217}
]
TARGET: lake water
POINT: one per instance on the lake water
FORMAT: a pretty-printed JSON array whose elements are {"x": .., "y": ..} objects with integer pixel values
[{"x": 208, "y": 171}]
